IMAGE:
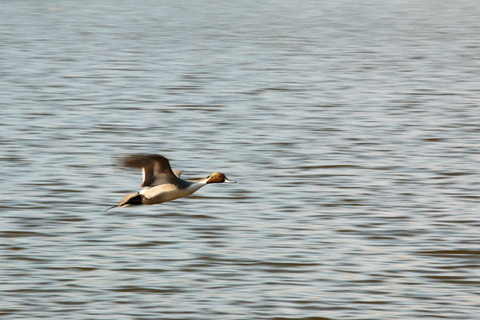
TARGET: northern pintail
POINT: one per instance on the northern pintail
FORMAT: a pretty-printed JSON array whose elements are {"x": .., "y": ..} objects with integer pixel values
[{"x": 161, "y": 183}]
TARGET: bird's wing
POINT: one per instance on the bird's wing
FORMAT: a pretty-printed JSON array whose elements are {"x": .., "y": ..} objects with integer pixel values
[
  {"x": 178, "y": 173},
  {"x": 155, "y": 168}
]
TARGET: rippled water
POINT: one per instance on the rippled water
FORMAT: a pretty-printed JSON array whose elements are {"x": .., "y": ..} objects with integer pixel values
[{"x": 351, "y": 128}]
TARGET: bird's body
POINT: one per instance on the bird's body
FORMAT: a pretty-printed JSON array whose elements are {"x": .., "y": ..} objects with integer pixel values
[
  {"x": 161, "y": 183},
  {"x": 168, "y": 192}
]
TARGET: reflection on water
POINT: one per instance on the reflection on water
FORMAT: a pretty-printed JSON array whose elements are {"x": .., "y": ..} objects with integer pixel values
[{"x": 349, "y": 127}]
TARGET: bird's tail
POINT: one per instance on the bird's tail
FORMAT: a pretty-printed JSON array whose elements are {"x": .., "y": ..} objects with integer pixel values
[
  {"x": 111, "y": 207},
  {"x": 130, "y": 199}
]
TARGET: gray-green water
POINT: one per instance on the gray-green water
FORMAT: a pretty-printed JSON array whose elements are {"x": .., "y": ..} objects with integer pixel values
[{"x": 351, "y": 127}]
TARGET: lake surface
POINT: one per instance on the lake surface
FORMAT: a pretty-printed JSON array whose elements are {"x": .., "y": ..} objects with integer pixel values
[{"x": 351, "y": 127}]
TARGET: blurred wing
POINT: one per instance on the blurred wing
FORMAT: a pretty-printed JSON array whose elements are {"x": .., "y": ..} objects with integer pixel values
[
  {"x": 178, "y": 173},
  {"x": 155, "y": 168}
]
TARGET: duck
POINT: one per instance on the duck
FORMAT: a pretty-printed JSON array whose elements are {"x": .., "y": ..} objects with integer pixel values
[{"x": 160, "y": 183}]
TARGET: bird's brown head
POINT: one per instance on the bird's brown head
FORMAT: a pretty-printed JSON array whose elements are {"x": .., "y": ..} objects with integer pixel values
[{"x": 218, "y": 177}]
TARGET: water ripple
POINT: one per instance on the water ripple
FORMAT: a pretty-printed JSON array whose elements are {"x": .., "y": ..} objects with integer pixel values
[{"x": 354, "y": 147}]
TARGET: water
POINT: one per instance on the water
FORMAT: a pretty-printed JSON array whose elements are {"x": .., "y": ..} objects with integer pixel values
[{"x": 350, "y": 127}]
